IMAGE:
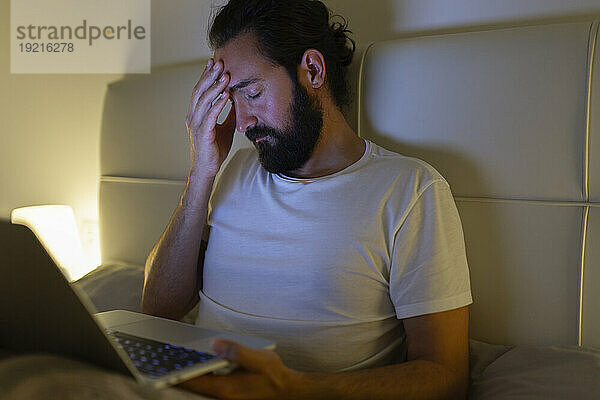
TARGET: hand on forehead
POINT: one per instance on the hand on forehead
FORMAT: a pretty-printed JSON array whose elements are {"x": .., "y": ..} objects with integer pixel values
[{"x": 241, "y": 59}]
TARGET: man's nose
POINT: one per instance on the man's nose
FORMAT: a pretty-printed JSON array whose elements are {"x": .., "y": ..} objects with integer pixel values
[{"x": 244, "y": 118}]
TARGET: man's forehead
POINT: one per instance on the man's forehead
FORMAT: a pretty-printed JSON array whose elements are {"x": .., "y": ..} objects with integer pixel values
[
  {"x": 242, "y": 78},
  {"x": 241, "y": 75}
]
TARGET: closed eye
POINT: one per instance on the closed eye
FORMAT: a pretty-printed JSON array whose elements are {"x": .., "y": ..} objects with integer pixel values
[
  {"x": 248, "y": 96},
  {"x": 254, "y": 96}
]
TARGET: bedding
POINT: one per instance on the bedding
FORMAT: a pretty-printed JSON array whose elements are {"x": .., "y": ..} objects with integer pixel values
[{"x": 44, "y": 376}]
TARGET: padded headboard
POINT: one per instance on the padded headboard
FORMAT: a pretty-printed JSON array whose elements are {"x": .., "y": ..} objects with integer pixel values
[
  {"x": 511, "y": 118},
  {"x": 508, "y": 116}
]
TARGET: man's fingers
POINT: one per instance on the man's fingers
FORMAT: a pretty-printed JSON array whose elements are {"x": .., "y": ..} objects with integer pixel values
[
  {"x": 196, "y": 91},
  {"x": 263, "y": 375},
  {"x": 208, "y": 99},
  {"x": 253, "y": 360},
  {"x": 210, "y": 119},
  {"x": 209, "y": 76},
  {"x": 210, "y": 96}
]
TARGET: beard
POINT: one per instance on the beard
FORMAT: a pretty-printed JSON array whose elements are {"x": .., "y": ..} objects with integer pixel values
[{"x": 289, "y": 149}]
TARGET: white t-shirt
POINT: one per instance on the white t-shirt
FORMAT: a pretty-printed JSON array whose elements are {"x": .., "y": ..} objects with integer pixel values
[{"x": 326, "y": 267}]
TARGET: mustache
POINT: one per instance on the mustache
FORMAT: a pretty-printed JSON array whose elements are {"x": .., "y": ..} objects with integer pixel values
[{"x": 261, "y": 131}]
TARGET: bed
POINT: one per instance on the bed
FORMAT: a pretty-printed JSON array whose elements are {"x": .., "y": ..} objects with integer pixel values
[{"x": 511, "y": 118}]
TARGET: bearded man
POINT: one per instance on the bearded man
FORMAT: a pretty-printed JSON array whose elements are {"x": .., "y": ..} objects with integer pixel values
[{"x": 349, "y": 256}]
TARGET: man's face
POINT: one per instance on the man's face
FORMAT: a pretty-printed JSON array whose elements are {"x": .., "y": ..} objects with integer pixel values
[
  {"x": 276, "y": 113},
  {"x": 288, "y": 149}
]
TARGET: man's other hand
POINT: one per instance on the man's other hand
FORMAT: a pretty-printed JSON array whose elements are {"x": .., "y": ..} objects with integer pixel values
[{"x": 262, "y": 375}]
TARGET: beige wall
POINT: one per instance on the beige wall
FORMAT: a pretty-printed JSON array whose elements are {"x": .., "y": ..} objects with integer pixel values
[
  {"x": 48, "y": 135},
  {"x": 50, "y": 124}
]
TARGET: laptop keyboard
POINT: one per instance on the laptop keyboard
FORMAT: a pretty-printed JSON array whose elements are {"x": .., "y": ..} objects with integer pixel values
[{"x": 154, "y": 358}]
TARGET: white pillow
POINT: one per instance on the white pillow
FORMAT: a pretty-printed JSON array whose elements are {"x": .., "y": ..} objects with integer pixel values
[
  {"x": 540, "y": 372},
  {"x": 114, "y": 286},
  {"x": 118, "y": 286}
]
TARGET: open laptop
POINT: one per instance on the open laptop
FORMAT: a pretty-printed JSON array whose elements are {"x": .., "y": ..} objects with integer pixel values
[{"x": 41, "y": 312}]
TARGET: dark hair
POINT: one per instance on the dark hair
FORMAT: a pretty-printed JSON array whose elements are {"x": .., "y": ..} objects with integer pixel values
[{"x": 285, "y": 29}]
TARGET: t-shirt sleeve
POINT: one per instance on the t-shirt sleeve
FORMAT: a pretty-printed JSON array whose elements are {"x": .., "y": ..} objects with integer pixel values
[{"x": 429, "y": 271}]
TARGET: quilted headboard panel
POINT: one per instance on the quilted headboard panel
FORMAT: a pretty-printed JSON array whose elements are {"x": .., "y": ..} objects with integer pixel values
[{"x": 511, "y": 117}]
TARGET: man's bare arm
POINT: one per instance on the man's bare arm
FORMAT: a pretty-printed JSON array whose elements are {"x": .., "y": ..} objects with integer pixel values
[
  {"x": 437, "y": 368},
  {"x": 174, "y": 266}
]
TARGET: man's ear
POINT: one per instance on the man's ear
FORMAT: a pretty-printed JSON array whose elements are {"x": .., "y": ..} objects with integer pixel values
[{"x": 312, "y": 68}]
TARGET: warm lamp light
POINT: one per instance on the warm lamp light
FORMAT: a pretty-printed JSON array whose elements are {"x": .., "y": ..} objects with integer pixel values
[{"x": 55, "y": 227}]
